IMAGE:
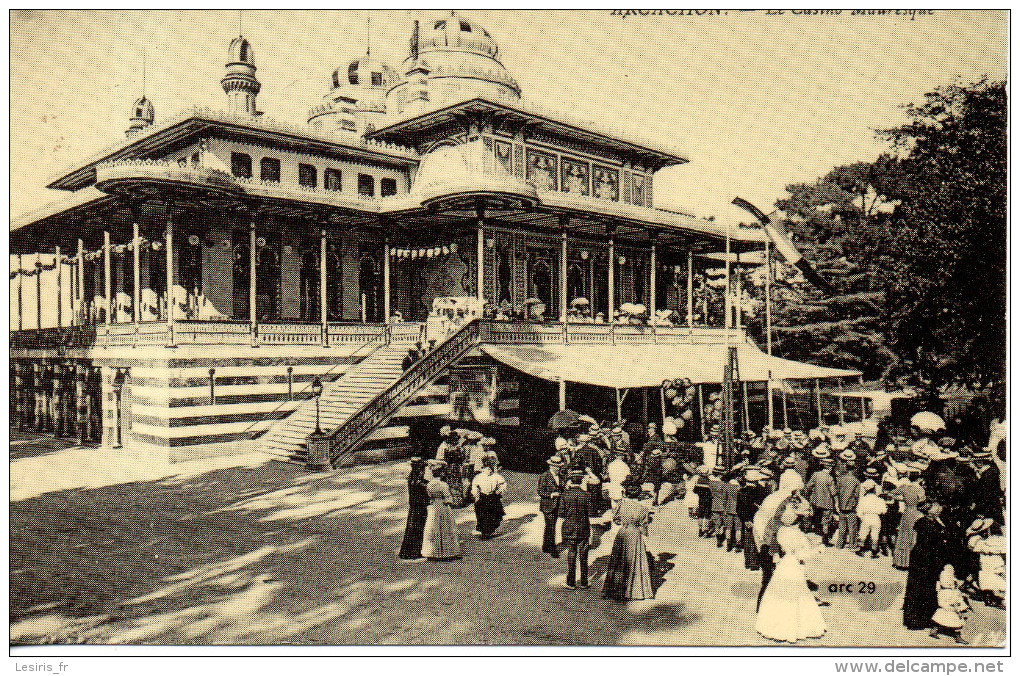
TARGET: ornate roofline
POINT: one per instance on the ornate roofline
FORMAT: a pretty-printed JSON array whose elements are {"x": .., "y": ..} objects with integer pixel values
[{"x": 197, "y": 119}]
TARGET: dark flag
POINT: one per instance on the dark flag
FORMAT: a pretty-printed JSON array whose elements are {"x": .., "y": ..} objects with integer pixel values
[{"x": 785, "y": 246}]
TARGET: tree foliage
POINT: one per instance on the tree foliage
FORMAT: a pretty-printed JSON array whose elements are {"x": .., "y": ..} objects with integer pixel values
[{"x": 915, "y": 245}]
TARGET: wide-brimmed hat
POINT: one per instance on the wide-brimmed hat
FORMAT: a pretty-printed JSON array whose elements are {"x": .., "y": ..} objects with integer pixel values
[
  {"x": 789, "y": 462},
  {"x": 555, "y": 461},
  {"x": 719, "y": 469},
  {"x": 436, "y": 465},
  {"x": 795, "y": 434},
  {"x": 588, "y": 419},
  {"x": 848, "y": 456},
  {"x": 871, "y": 471},
  {"x": 821, "y": 453},
  {"x": 753, "y": 474},
  {"x": 460, "y": 431},
  {"x": 981, "y": 455},
  {"x": 594, "y": 428},
  {"x": 583, "y": 437},
  {"x": 656, "y": 451},
  {"x": 980, "y": 526}
]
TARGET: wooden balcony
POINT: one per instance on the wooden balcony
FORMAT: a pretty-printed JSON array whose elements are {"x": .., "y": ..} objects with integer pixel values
[
  {"x": 310, "y": 334},
  {"x": 239, "y": 333}
]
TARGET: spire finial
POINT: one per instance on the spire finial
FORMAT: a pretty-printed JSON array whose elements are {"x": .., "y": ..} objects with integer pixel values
[{"x": 368, "y": 36}]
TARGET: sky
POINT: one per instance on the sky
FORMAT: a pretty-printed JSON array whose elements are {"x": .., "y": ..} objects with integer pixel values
[{"x": 754, "y": 101}]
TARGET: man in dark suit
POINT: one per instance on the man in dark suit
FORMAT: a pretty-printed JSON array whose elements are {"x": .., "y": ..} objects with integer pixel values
[
  {"x": 822, "y": 494},
  {"x": 988, "y": 496},
  {"x": 576, "y": 527},
  {"x": 717, "y": 486},
  {"x": 550, "y": 486}
]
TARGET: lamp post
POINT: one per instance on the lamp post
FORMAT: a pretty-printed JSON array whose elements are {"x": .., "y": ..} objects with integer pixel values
[
  {"x": 317, "y": 392},
  {"x": 317, "y": 442}
]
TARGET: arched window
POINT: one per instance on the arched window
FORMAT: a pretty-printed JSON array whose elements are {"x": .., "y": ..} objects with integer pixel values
[
  {"x": 244, "y": 51},
  {"x": 542, "y": 281},
  {"x": 505, "y": 276}
]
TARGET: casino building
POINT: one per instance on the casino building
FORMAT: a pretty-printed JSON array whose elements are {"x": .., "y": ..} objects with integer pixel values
[{"x": 207, "y": 268}]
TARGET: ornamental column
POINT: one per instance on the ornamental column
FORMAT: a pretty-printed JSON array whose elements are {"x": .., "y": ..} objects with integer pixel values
[
  {"x": 564, "y": 224},
  {"x": 386, "y": 274},
  {"x": 59, "y": 266},
  {"x": 56, "y": 400},
  {"x": 611, "y": 230},
  {"x": 21, "y": 277},
  {"x": 107, "y": 282},
  {"x": 80, "y": 273},
  {"x": 81, "y": 410},
  {"x": 480, "y": 238},
  {"x": 651, "y": 281},
  {"x": 690, "y": 289},
  {"x": 252, "y": 296},
  {"x": 136, "y": 300},
  {"x": 169, "y": 237},
  {"x": 323, "y": 296},
  {"x": 38, "y": 290}
]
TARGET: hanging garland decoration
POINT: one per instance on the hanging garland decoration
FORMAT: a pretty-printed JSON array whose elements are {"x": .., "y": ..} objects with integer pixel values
[
  {"x": 88, "y": 257},
  {"x": 424, "y": 252}
]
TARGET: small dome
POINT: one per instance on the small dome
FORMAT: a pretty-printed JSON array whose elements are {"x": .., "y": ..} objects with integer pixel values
[
  {"x": 458, "y": 32},
  {"x": 240, "y": 51},
  {"x": 143, "y": 110},
  {"x": 365, "y": 72}
]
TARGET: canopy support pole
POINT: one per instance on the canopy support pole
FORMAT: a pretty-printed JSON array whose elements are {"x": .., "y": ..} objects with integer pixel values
[
  {"x": 323, "y": 281},
  {"x": 386, "y": 275},
  {"x": 619, "y": 404},
  {"x": 818, "y": 402},
  {"x": 747, "y": 414},
  {"x": 563, "y": 394},
  {"x": 839, "y": 382},
  {"x": 564, "y": 224},
  {"x": 864, "y": 405},
  {"x": 168, "y": 236},
  {"x": 136, "y": 272},
  {"x": 701, "y": 409},
  {"x": 252, "y": 285},
  {"x": 771, "y": 404},
  {"x": 662, "y": 403},
  {"x": 644, "y": 406},
  {"x": 727, "y": 319},
  {"x": 651, "y": 286},
  {"x": 480, "y": 224},
  {"x": 786, "y": 417}
]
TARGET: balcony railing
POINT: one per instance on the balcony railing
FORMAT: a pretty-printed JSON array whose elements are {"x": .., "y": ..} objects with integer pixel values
[{"x": 297, "y": 333}]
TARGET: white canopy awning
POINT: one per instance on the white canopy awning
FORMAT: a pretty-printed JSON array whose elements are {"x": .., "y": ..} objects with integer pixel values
[{"x": 626, "y": 366}]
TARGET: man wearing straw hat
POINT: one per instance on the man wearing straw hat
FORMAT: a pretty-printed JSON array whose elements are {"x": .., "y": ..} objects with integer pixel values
[
  {"x": 822, "y": 494},
  {"x": 550, "y": 487}
]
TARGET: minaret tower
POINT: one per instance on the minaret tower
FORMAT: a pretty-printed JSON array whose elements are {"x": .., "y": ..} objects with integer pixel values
[
  {"x": 142, "y": 112},
  {"x": 239, "y": 82}
]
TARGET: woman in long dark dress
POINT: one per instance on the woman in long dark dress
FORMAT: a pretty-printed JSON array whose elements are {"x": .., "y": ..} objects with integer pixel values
[
  {"x": 487, "y": 490},
  {"x": 929, "y": 556},
  {"x": 417, "y": 510},
  {"x": 628, "y": 576}
]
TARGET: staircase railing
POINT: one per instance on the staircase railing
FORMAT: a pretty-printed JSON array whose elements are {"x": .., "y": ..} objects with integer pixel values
[
  {"x": 345, "y": 438},
  {"x": 379, "y": 341}
]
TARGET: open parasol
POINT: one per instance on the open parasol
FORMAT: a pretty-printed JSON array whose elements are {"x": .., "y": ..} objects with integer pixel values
[
  {"x": 564, "y": 419},
  {"x": 926, "y": 421}
]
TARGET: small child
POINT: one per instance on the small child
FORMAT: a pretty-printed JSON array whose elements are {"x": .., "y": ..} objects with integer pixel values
[
  {"x": 990, "y": 547},
  {"x": 870, "y": 509},
  {"x": 948, "y": 618}
]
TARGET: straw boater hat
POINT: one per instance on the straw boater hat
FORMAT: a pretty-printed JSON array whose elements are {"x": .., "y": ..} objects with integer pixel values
[
  {"x": 766, "y": 473},
  {"x": 473, "y": 435},
  {"x": 719, "y": 469},
  {"x": 848, "y": 456},
  {"x": 979, "y": 526},
  {"x": 436, "y": 465},
  {"x": 461, "y": 432},
  {"x": 656, "y": 451},
  {"x": 555, "y": 461},
  {"x": 821, "y": 453},
  {"x": 789, "y": 462},
  {"x": 871, "y": 472},
  {"x": 753, "y": 474},
  {"x": 816, "y": 434}
]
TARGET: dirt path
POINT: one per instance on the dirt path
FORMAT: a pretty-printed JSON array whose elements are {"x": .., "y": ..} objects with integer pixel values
[{"x": 270, "y": 554}]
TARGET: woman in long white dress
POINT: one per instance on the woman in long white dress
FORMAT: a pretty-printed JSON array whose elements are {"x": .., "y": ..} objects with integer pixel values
[{"x": 789, "y": 611}]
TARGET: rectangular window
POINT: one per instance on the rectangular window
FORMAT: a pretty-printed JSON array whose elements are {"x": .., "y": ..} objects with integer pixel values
[
  {"x": 270, "y": 169},
  {"x": 308, "y": 176},
  {"x": 334, "y": 180},
  {"x": 366, "y": 185},
  {"x": 377, "y": 79},
  {"x": 240, "y": 165},
  {"x": 195, "y": 157},
  {"x": 388, "y": 186}
]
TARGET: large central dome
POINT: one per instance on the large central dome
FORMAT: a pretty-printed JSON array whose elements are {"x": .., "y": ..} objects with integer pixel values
[{"x": 457, "y": 59}]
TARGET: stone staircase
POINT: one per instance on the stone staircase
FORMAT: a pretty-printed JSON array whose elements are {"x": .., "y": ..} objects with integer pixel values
[{"x": 340, "y": 399}]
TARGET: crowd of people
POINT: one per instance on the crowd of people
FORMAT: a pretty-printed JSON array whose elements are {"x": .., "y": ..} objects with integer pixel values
[{"x": 934, "y": 507}]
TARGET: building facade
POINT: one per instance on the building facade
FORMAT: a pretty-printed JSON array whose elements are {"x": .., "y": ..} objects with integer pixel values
[{"x": 210, "y": 266}]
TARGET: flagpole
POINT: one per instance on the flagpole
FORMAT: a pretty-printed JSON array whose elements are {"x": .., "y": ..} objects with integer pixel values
[{"x": 726, "y": 296}]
